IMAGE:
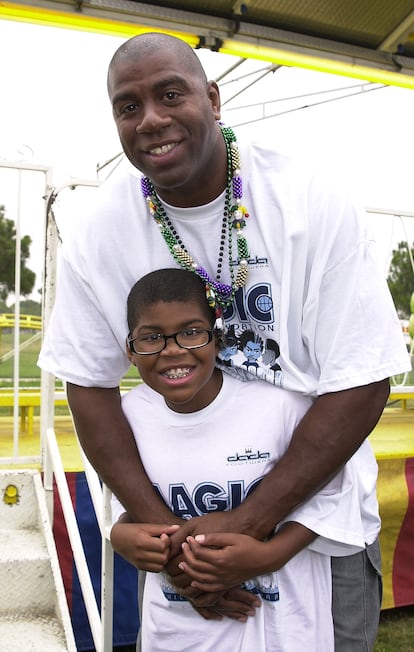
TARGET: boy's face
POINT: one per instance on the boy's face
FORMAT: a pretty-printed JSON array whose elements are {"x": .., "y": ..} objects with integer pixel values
[{"x": 187, "y": 378}]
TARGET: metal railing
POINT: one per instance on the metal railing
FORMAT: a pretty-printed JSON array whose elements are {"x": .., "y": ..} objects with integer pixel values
[{"x": 100, "y": 623}]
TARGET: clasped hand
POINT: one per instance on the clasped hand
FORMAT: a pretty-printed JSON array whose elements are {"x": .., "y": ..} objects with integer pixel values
[{"x": 206, "y": 569}]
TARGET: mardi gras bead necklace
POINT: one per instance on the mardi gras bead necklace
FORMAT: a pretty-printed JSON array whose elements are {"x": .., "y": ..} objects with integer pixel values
[{"x": 234, "y": 218}]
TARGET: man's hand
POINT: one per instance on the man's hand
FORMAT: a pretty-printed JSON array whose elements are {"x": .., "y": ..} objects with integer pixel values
[
  {"x": 236, "y": 604},
  {"x": 209, "y": 523},
  {"x": 145, "y": 546}
]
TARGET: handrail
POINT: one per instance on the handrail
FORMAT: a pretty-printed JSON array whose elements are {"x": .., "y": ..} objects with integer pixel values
[
  {"x": 101, "y": 499},
  {"x": 101, "y": 625}
]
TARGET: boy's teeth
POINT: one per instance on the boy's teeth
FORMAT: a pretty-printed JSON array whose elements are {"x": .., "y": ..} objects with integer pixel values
[{"x": 177, "y": 373}]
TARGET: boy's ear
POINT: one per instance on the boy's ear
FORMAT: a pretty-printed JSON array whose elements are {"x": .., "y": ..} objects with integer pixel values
[{"x": 128, "y": 351}]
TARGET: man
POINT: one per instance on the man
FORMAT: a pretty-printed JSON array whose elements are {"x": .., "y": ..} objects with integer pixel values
[{"x": 300, "y": 269}]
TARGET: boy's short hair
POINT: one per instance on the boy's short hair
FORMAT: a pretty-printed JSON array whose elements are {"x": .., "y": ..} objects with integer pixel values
[{"x": 169, "y": 284}]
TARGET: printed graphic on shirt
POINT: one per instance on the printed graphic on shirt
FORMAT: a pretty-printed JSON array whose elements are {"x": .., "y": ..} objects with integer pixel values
[
  {"x": 265, "y": 586},
  {"x": 251, "y": 348},
  {"x": 168, "y": 590},
  {"x": 209, "y": 496},
  {"x": 248, "y": 456}
]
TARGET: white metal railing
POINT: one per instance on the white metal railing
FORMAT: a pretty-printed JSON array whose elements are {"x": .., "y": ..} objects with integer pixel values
[{"x": 100, "y": 623}]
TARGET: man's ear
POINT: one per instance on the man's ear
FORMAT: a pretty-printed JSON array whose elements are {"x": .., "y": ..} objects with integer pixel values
[{"x": 214, "y": 96}]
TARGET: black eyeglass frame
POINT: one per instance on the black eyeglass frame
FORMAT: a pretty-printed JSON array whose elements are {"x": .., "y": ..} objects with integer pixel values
[{"x": 131, "y": 340}]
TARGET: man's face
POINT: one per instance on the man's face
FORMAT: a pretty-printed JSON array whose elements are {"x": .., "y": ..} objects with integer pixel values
[{"x": 166, "y": 118}]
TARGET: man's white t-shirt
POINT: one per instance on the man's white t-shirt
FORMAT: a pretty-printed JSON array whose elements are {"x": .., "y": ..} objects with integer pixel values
[{"x": 315, "y": 316}]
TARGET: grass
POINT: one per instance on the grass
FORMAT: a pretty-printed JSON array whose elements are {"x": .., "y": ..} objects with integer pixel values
[
  {"x": 27, "y": 359},
  {"x": 396, "y": 630},
  {"x": 28, "y": 370}
]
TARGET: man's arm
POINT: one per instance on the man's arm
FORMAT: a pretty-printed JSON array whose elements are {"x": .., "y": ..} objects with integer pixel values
[
  {"x": 327, "y": 436},
  {"x": 108, "y": 442},
  {"x": 330, "y": 432}
]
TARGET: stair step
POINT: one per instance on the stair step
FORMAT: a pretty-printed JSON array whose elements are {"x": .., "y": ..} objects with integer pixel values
[
  {"x": 34, "y": 615},
  {"x": 21, "y": 544},
  {"x": 31, "y": 634},
  {"x": 26, "y": 572}
]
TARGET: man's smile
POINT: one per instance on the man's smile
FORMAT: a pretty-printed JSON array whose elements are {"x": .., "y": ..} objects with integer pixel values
[{"x": 162, "y": 149}]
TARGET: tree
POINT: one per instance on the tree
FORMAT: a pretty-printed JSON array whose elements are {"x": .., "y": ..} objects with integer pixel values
[
  {"x": 29, "y": 307},
  {"x": 8, "y": 258},
  {"x": 401, "y": 279}
]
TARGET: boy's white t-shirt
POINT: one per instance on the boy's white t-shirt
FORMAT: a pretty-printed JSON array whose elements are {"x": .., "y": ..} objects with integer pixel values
[{"x": 211, "y": 460}]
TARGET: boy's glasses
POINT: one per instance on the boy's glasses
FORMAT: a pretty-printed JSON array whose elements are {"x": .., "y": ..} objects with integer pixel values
[{"x": 192, "y": 338}]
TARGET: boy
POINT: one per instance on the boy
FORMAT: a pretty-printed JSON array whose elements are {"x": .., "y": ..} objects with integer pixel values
[{"x": 206, "y": 440}]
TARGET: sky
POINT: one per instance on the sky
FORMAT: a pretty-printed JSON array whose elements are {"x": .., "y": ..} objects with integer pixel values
[{"x": 54, "y": 111}]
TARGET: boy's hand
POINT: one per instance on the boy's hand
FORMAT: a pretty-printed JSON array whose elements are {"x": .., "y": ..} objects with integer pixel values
[
  {"x": 231, "y": 602},
  {"x": 145, "y": 545},
  {"x": 218, "y": 561}
]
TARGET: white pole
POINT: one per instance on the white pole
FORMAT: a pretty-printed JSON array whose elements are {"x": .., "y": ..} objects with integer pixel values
[{"x": 17, "y": 283}]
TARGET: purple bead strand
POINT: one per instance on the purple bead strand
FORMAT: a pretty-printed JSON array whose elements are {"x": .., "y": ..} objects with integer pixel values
[{"x": 237, "y": 187}]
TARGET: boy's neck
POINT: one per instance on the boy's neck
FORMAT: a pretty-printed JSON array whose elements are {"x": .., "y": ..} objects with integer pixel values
[{"x": 203, "y": 399}]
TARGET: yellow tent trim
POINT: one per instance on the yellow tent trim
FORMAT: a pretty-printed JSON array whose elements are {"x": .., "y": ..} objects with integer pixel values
[
  {"x": 287, "y": 58},
  {"x": 81, "y": 22}
]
